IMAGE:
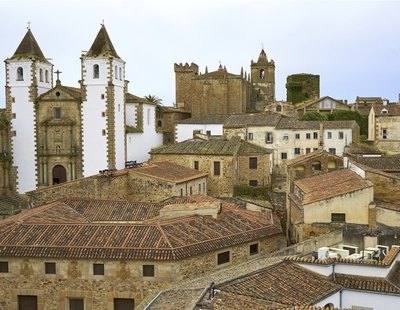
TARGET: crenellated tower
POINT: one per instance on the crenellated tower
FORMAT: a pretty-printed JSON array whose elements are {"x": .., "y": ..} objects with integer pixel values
[
  {"x": 263, "y": 76},
  {"x": 103, "y": 106},
  {"x": 183, "y": 84},
  {"x": 28, "y": 75}
]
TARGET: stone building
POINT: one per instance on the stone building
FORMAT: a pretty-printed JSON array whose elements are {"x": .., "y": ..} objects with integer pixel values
[
  {"x": 302, "y": 87},
  {"x": 223, "y": 92},
  {"x": 228, "y": 162},
  {"x": 384, "y": 129},
  {"x": 328, "y": 201},
  {"x": 151, "y": 182},
  {"x": 109, "y": 254}
]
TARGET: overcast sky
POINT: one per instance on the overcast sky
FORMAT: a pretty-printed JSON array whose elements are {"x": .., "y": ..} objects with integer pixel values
[{"x": 353, "y": 45}]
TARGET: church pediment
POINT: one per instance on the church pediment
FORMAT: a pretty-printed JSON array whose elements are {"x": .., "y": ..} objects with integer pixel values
[{"x": 60, "y": 93}]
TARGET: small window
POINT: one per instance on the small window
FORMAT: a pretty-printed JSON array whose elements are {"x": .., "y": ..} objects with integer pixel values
[
  {"x": 262, "y": 74},
  {"x": 278, "y": 108},
  {"x": 268, "y": 137},
  {"x": 315, "y": 149},
  {"x": 46, "y": 76},
  {"x": 159, "y": 124},
  {"x": 116, "y": 72},
  {"x": 316, "y": 166},
  {"x": 338, "y": 217},
  {"x": 384, "y": 133},
  {"x": 315, "y": 135},
  {"x": 148, "y": 270},
  {"x": 308, "y": 135},
  {"x": 41, "y": 75},
  {"x": 181, "y": 192},
  {"x": 199, "y": 192},
  {"x": 308, "y": 150},
  {"x": 223, "y": 258},
  {"x": 50, "y": 268},
  {"x": 253, "y": 163},
  {"x": 217, "y": 168},
  {"x": 208, "y": 132},
  {"x": 250, "y": 136},
  {"x": 103, "y": 132},
  {"x": 98, "y": 269},
  {"x": 297, "y": 136},
  {"x": 3, "y": 267},
  {"x": 57, "y": 113},
  {"x": 283, "y": 156},
  {"x": 204, "y": 188},
  {"x": 120, "y": 73},
  {"x": 341, "y": 135},
  {"x": 332, "y": 150},
  {"x": 96, "y": 71},
  {"x": 102, "y": 96},
  {"x": 253, "y": 182},
  {"x": 191, "y": 190},
  {"x": 286, "y": 137},
  {"x": 103, "y": 114},
  {"x": 14, "y": 115},
  {"x": 297, "y": 151},
  {"x": 254, "y": 249},
  {"x": 329, "y": 135},
  {"x": 20, "y": 74},
  {"x": 196, "y": 165},
  {"x": 27, "y": 302},
  {"x": 76, "y": 304},
  {"x": 124, "y": 304}
]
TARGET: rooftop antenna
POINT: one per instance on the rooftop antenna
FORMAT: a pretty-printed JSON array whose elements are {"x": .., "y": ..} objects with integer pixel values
[{"x": 29, "y": 25}]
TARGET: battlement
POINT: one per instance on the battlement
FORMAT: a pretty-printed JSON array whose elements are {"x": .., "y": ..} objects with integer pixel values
[{"x": 186, "y": 68}]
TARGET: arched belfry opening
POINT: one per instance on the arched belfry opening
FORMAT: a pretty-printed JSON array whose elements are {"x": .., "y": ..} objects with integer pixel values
[{"x": 59, "y": 174}]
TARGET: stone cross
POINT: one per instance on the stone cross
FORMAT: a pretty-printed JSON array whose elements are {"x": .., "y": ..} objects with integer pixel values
[
  {"x": 29, "y": 25},
  {"x": 58, "y": 74}
]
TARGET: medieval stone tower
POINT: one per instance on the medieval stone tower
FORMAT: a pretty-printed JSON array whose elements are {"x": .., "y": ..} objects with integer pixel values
[
  {"x": 263, "y": 76},
  {"x": 103, "y": 108},
  {"x": 28, "y": 75},
  {"x": 183, "y": 81},
  {"x": 302, "y": 87}
]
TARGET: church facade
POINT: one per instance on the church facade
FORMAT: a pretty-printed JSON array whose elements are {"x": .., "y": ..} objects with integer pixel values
[{"x": 57, "y": 133}]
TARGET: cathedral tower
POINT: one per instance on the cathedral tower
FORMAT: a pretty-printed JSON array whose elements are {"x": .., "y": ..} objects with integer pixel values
[
  {"x": 28, "y": 75},
  {"x": 103, "y": 106},
  {"x": 263, "y": 76}
]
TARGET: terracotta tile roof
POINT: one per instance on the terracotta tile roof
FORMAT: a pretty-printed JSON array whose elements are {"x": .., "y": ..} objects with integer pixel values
[
  {"x": 380, "y": 285},
  {"x": 135, "y": 99},
  {"x": 395, "y": 206},
  {"x": 313, "y": 101},
  {"x": 176, "y": 299},
  {"x": 293, "y": 123},
  {"x": 394, "y": 275},
  {"x": 385, "y": 163},
  {"x": 305, "y": 157},
  {"x": 362, "y": 148},
  {"x": 205, "y": 119},
  {"x": 247, "y": 148},
  {"x": 392, "y": 110},
  {"x": 110, "y": 230},
  {"x": 283, "y": 284},
  {"x": 168, "y": 171},
  {"x": 201, "y": 147},
  {"x": 331, "y": 184},
  {"x": 257, "y": 119}
]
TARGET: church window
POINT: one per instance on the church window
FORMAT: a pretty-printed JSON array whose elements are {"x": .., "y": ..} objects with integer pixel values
[
  {"x": 58, "y": 150},
  {"x": 96, "y": 71},
  {"x": 46, "y": 76},
  {"x": 20, "y": 74},
  {"x": 41, "y": 75},
  {"x": 103, "y": 132},
  {"x": 103, "y": 114},
  {"x": 116, "y": 72},
  {"x": 57, "y": 113},
  {"x": 120, "y": 73},
  {"x": 102, "y": 96},
  {"x": 262, "y": 74},
  {"x": 119, "y": 107}
]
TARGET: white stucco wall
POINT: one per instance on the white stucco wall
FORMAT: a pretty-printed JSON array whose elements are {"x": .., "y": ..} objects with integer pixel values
[
  {"x": 185, "y": 131},
  {"x": 332, "y": 299},
  {"x": 325, "y": 270},
  {"x": 337, "y": 143},
  {"x": 388, "y": 217},
  {"x": 138, "y": 145},
  {"x": 367, "y": 299}
]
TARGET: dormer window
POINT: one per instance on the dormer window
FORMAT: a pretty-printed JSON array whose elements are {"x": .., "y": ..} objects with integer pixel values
[
  {"x": 96, "y": 71},
  {"x": 262, "y": 74},
  {"x": 384, "y": 111},
  {"x": 46, "y": 76},
  {"x": 41, "y": 75},
  {"x": 20, "y": 74}
]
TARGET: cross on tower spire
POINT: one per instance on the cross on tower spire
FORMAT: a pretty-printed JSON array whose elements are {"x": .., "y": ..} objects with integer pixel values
[{"x": 29, "y": 25}]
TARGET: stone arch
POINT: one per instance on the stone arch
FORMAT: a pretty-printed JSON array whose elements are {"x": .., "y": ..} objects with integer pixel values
[
  {"x": 96, "y": 71},
  {"x": 262, "y": 74},
  {"x": 59, "y": 174},
  {"x": 20, "y": 74}
]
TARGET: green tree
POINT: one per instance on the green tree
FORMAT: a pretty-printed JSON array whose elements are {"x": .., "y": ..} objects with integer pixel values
[
  {"x": 314, "y": 116},
  {"x": 343, "y": 115}
]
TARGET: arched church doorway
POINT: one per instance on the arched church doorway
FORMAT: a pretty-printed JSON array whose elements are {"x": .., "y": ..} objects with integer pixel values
[{"x": 59, "y": 174}]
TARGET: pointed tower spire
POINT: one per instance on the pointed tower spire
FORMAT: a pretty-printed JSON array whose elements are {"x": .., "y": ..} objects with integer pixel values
[
  {"x": 241, "y": 71},
  {"x": 262, "y": 57},
  {"x": 102, "y": 45},
  {"x": 29, "y": 48}
]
